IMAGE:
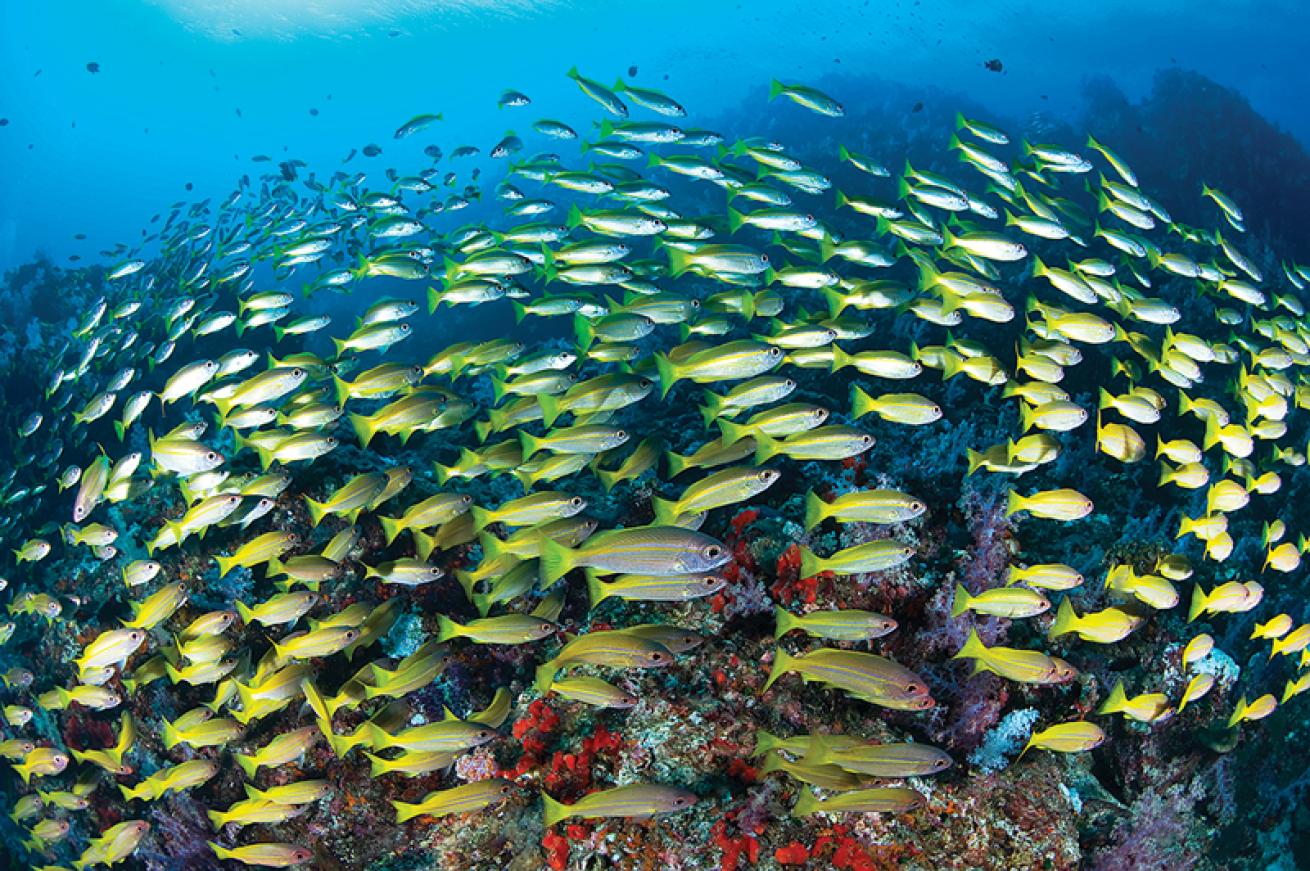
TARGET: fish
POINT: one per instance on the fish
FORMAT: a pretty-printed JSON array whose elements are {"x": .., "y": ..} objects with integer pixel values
[
  {"x": 469, "y": 798},
  {"x": 634, "y": 800},
  {"x": 878, "y": 799}
]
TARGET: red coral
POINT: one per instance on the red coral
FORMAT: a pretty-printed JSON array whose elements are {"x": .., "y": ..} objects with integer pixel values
[
  {"x": 790, "y": 586},
  {"x": 534, "y": 732},
  {"x": 734, "y": 847},
  {"x": 557, "y": 850},
  {"x": 570, "y": 773},
  {"x": 794, "y": 853}
]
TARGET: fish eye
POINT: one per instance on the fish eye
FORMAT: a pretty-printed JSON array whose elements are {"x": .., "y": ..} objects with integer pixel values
[
  {"x": 506, "y": 789},
  {"x": 297, "y": 372},
  {"x": 764, "y": 258},
  {"x": 914, "y": 688},
  {"x": 713, "y": 551},
  {"x": 657, "y": 657},
  {"x": 576, "y": 500},
  {"x": 212, "y": 456},
  {"x": 775, "y": 351},
  {"x": 866, "y": 439},
  {"x": 404, "y": 328}
]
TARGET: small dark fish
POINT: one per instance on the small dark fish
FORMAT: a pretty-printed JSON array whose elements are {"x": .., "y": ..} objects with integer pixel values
[
  {"x": 994, "y": 65},
  {"x": 93, "y": 67},
  {"x": 4, "y": 122},
  {"x": 433, "y": 151},
  {"x": 313, "y": 112},
  {"x": 236, "y": 32},
  {"x": 239, "y": 115},
  {"x": 393, "y": 33},
  {"x": 352, "y": 153},
  {"x": 918, "y": 107},
  {"x": 37, "y": 73},
  {"x": 73, "y": 258},
  {"x": 464, "y": 151},
  {"x": 81, "y": 236},
  {"x": 632, "y": 71},
  {"x": 261, "y": 158},
  {"x": 190, "y": 186},
  {"x": 372, "y": 150}
]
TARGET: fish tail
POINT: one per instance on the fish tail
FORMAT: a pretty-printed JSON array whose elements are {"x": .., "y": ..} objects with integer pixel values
[
  {"x": 248, "y": 764},
  {"x": 317, "y": 510},
  {"x": 391, "y": 527},
  {"x": 424, "y": 544},
  {"x": 552, "y": 811},
  {"x": 1065, "y": 619},
  {"x": 783, "y": 662},
  {"x": 220, "y": 852},
  {"x": 961, "y": 602},
  {"x": 783, "y": 621},
  {"x": 973, "y": 647},
  {"x": 815, "y": 510},
  {"x": 975, "y": 460},
  {"x": 596, "y": 591},
  {"x": 668, "y": 373},
  {"x": 735, "y": 220},
  {"x": 732, "y": 432},
  {"x": 806, "y": 805},
  {"x": 550, "y": 409},
  {"x": 840, "y": 359},
  {"x": 243, "y": 610},
  {"x": 836, "y": 301},
  {"x": 666, "y": 511},
  {"x": 481, "y": 517},
  {"x": 377, "y": 766},
  {"x": 712, "y": 408},
  {"x": 1114, "y": 702},
  {"x": 765, "y": 742},
  {"x": 775, "y": 88},
  {"x": 447, "y": 628},
  {"x": 530, "y": 445},
  {"x": 1198, "y": 603},
  {"x": 679, "y": 262},
  {"x": 1013, "y": 503},
  {"x": 1239, "y": 713},
  {"x": 811, "y": 563},
  {"x": 677, "y": 463},
  {"x": 406, "y": 811},
  {"x": 555, "y": 561},
  {"x": 861, "y": 402},
  {"x": 766, "y": 447},
  {"x": 170, "y": 736},
  {"x": 583, "y": 332},
  {"x": 545, "y": 677}
]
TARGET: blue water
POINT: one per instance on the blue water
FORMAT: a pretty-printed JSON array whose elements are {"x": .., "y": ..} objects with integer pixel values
[
  {"x": 101, "y": 153},
  {"x": 117, "y": 112}
]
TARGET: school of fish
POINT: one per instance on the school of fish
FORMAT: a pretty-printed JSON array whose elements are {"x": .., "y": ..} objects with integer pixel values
[{"x": 1050, "y": 256}]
